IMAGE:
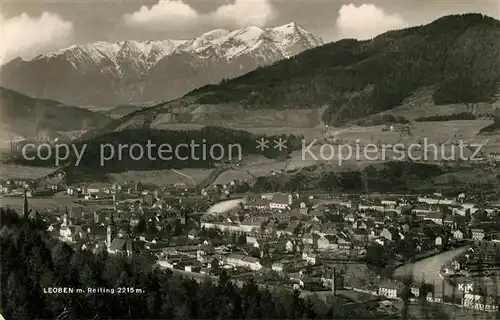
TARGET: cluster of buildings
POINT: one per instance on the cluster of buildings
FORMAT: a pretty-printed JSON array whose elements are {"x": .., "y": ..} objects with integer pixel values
[
  {"x": 283, "y": 238},
  {"x": 36, "y": 181},
  {"x": 130, "y": 218},
  {"x": 465, "y": 295},
  {"x": 284, "y": 231}
]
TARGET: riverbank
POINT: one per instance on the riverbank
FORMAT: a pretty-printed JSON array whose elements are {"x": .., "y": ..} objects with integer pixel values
[
  {"x": 428, "y": 267},
  {"x": 428, "y": 271}
]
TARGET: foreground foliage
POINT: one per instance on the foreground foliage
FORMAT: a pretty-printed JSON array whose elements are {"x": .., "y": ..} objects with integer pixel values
[{"x": 31, "y": 261}]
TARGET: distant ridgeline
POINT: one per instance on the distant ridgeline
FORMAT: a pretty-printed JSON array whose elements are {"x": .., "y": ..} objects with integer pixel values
[
  {"x": 457, "y": 55},
  {"x": 226, "y": 145}
]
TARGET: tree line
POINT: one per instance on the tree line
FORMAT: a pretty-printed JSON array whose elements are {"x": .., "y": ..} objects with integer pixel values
[
  {"x": 216, "y": 145},
  {"x": 448, "y": 117}
]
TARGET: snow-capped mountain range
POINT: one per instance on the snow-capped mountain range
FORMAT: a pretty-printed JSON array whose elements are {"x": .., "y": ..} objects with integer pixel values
[{"x": 137, "y": 72}]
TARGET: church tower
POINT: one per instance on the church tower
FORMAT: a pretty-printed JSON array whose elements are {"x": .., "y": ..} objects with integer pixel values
[
  {"x": 65, "y": 221},
  {"x": 26, "y": 211},
  {"x": 110, "y": 233}
]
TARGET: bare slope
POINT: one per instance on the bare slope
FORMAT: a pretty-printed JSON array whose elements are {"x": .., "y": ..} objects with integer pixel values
[{"x": 26, "y": 117}]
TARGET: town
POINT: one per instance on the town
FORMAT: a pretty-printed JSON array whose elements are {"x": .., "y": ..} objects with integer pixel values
[{"x": 335, "y": 245}]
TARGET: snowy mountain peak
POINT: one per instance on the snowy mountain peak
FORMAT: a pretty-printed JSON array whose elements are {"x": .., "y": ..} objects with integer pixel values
[
  {"x": 222, "y": 42},
  {"x": 133, "y": 71},
  {"x": 293, "y": 29},
  {"x": 249, "y": 34},
  {"x": 216, "y": 34},
  {"x": 292, "y": 26}
]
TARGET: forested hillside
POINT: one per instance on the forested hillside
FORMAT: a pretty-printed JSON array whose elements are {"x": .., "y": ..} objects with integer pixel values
[
  {"x": 459, "y": 55},
  {"x": 215, "y": 145}
]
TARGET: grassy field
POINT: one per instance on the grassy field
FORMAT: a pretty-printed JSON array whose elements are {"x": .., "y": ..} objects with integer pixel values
[
  {"x": 468, "y": 176},
  {"x": 55, "y": 203},
  {"x": 234, "y": 116},
  {"x": 228, "y": 176},
  {"x": 162, "y": 177},
  {"x": 343, "y": 158},
  {"x": 421, "y": 104},
  {"x": 435, "y": 132},
  {"x": 13, "y": 171}
]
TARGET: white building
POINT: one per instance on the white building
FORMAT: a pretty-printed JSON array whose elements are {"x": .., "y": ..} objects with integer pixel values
[
  {"x": 436, "y": 200},
  {"x": 277, "y": 267},
  {"x": 389, "y": 289},
  {"x": 238, "y": 260},
  {"x": 281, "y": 201},
  {"x": 70, "y": 233}
]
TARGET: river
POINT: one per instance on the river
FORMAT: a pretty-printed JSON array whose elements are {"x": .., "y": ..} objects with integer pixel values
[
  {"x": 225, "y": 206},
  {"x": 427, "y": 270}
]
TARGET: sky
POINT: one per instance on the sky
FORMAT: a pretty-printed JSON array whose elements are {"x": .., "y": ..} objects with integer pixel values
[{"x": 29, "y": 28}]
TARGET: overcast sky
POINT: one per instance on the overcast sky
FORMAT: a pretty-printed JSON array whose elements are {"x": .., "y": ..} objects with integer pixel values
[{"x": 37, "y": 26}]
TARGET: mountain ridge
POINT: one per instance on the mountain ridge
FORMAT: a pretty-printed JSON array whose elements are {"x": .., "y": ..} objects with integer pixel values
[
  {"x": 24, "y": 117},
  {"x": 131, "y": 72},
  {"x": 349, "y": 79}
]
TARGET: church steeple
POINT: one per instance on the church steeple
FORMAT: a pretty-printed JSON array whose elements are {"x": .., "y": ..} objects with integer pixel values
[
  {"x": 65, "y": 219},
  {"x": 110, "y": 232},
  {"x": 26, "y": 211}
]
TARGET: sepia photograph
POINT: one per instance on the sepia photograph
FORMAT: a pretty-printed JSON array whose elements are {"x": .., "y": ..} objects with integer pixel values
[{"x": 250, "y": 159}]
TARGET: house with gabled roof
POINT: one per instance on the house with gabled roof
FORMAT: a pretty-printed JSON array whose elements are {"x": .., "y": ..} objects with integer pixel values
[
  {"x": 238, "y": 260},
  {"x": 281, "y": 201},
  {"x": 390, "y": 289},
  {"x": 391, "y": 234},
  {"x": 257, "y": 204},
  {"x": 327, "y": 242},
  {"x": 458, "y": 234},
  {"x": 359, "y": 224},
  {"x": 435, "y": 216},
  {"x": 343, "y": 241},
  {"x": 478, "y": 234},
  {"x": 122, "y": 246},
  {"x": 253, "y": 225},
  {"x": 277, "y": 267}
]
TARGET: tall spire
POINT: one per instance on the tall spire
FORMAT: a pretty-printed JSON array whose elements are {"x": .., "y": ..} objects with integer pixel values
[
  {"x": 110, "y": 232},
  {"x": 26, "y": 212}
]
